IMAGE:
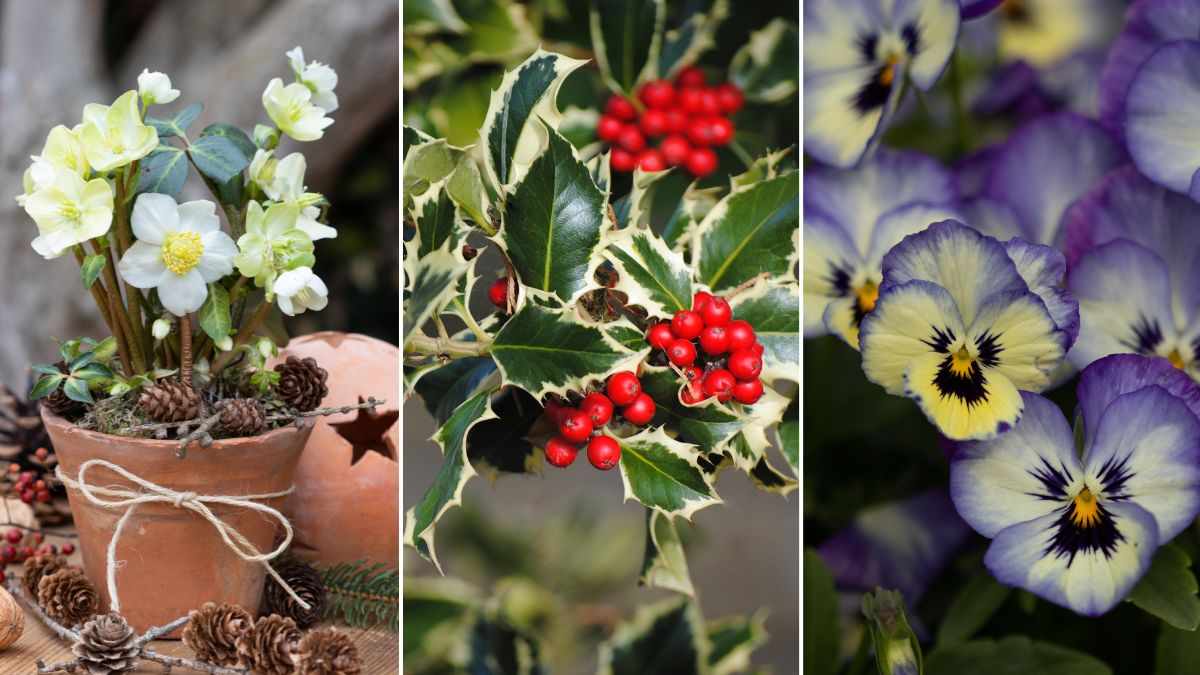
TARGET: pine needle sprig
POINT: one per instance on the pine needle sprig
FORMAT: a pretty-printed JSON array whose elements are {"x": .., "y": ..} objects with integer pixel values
[{"x": 362, "y": 595}]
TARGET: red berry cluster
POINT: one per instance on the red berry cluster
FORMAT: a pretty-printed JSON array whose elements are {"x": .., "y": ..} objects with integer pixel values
[
  {"x": 28, "y": 485},
  {"x": 688, "y": 115},
  {"x": 576, "y": 425},
  {"x": 20, "y": 545},
  {"x": 718, "y": 356}
]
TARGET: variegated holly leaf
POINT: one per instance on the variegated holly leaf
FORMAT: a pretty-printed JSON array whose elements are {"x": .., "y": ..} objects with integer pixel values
[
  {"x": 772, "y": 306},
  {"x": 682, "y": 46},
  {"x": 691, "y": 209},
  {"x": 511, "y": 134},
  {"x": 789, "y": 435},
  {"x": 438, "y": 222},
  {"x": 426, "y": 58},
  {"x": 708, "y": 424},
  {"x": 664, "y": 564},
  {"x": 750, "y": 232},
  {"x": 601, "y": 172},
  {"x": 553, "y": 223},
  {"x": 497, "y": 30},
  {"x": 432, "y": 16},
  {"x": 650, "y": 273},
  {"x": 438, "y": 613},
  {"x": 766, "y": 167},
  {"x": 667, "y": 637},
  {"x": 769, "y": 479},
  {"x": 411, "y": 138},
  {"x": 546, "y": 348},
  {"x": 733, "y": 640},
  {"x": 468, "y": 192},
  {"x": 767, "y": 68},
  {"x": 430, "y": 283},
  {"x": 627, "y": 38},
  {"x": 426, "y": 164},
  {"x": 445, "y": 387},
  {"x": 641, "y": 195},
  {"x": 446, "y": 490},
  {"x": 626, "y": 333},
  {"x": 499, "y": 446},
  {"x": 663, "y": 474}
]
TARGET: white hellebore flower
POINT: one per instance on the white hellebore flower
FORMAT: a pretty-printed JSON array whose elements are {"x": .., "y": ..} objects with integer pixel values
[
  {"x": 61, "y": 150},
  {"x": 160, "y": 329},
  {"x": 262, "y": 168},
  {"x": 114, "y": 136},
  {"x": 69, "y": 211},
  {"x": 318, "y": 77},
  {"x": 180, "y": 250},
  {"x": 285, "y": 184},
  {"x": 292, "y": 110},
  {"x": 155, "y": 88},
  {"x": 299, "y": 290}
]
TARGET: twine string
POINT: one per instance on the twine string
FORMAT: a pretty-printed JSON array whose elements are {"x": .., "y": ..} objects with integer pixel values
[{"x": 115, "y": 498}]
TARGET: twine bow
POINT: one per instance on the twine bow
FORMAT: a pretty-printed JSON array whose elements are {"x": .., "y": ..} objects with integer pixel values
[{"x": 153, "y": 493}]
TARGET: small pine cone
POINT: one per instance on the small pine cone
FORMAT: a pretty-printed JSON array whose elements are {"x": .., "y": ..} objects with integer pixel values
[
  {"x": 301, "y": 383},
  {"x": 307, "y": 583},
  {"x": 242, "y": 417},
  {"x": 58, "y": 402},
  {"x": 38, "y": 567},
  {"x": 213, "y": 632},
  {"x": 270, "y": 647},
  {"x": 327, "y": 651},
  {"x": 106, "y": 646},
  {"x": 170, "y": 401},
  {"x": 68, "y": 597}
]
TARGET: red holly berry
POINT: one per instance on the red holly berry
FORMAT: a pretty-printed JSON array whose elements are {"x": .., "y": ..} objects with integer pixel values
[
  {"x": 716, "y": 312},
  {"x": 748, "y": 391},
  {"x": 14, "y": 536},
  {"x": 720, "y": 130},
  {"x": 575, "y": 426},
  {"x": 68, "y": 549},
  {"x": 692, "y": 373},
  {"x": 714, "y": 340},
  {"x": 676, "y": 121},
  {"x": 691, "y": 76},
  {"x": 686, "y": 324},
  {"x": 682, "y": 353},
  {"x": 652, "y": 160},
  {"x": 756, "y": 349},
  {"x": 604, "y": 452},
  {"x": 598, "y": 407},
  {"x": 621, "y": 108},
  {"x": 25, "y": 552},
  {"x": 709, "y": 103},
  {"x": 730, "y": 98},
  {"x": 657, "y": 94},
  {"x": 699, "y": 300},
  {"x": 631, "y": 139},
  {"x": 559, "y": 452},
  {"x": 691, "y": 395},
  {"x": 745, "y": 364},
  {"x": 654, "y": 122},
  {"x": 659, "y": 336},
  {"x": 498, "y": 292},
  {"x": 641, "y": 411},
  {"x": 553, "y": 411},
  {"x": 622, "y": 160},
  {"x": 8, "y": 554},
  {"x": 701, "y": 162},
  {"x": 699, "y": 131},
  {"x": 675, "y": 150},
  {"x": 741, "y": 334},
  {"x": 27, "y": 496},
  {"x": 48, "y": 549},
  {"x": 624, "y": 387},
  {"x": 689, "y": 100},
  {"x": 27, "y": 476},
  {"x": 609, "y": 128},
  {"x": 719, "y": 383}
]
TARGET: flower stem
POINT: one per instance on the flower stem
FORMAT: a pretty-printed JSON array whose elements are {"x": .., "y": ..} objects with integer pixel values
[
  {"x": 124, "y": 240},
  {"x": 185, "y": 349},
  {"x": 101, "y": 296},
  {"x": 113, "y": 289}
]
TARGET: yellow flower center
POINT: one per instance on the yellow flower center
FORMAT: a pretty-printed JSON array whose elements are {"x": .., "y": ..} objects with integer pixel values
[
  {"x": 1176, "y": 359},
  {"x": 961, "y": 361},
  {"x": 181, "y": 252},
  {"x": 888, "y": 74},
  {"x": 69, "y": 211},
  {"x": 1087, "y": 509},
  {"x": 867, "y": 295}
]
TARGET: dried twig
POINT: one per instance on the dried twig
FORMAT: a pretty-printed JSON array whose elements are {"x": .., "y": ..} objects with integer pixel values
[
  {"x": 371, "y": 402},
  {"x": 64, "y": 667},
  {"x": 179, "y": 662},
  {"x": 59, "y": 629},
  {"x": 200, "y": 434},
  {"x": 159, "y": 631}
]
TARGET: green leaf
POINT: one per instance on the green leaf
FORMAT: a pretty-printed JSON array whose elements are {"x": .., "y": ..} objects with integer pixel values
[
  {"x": 553, "y": 222},
  {"x": 663, "y": 474},
  {"x": 751, "y": 231},
  {"x": 789, "y": 435},
  {"x": 511, "y": 138},
  {"x": 411, "y": 138},
  {"x": 164, "y": 171},
  {"x": 664, "y": 564},
  {"x": 683, "y": 45},
  {"x": 435, "y": 609},
  {"x": 769, "y": 479},
  {"x": 651, "y": 274},
  {"x": 430, "y": 283},
  {"x": 971, "y": 609},
  {"x": 733, "y": 640},
  {"x": 821, "y": 632},
  {"x": 235, "y": 134},
  {"x": 444, "y": 388},
  {"x": 437, "y": 221},
  {"x": 218, "y": 157},
  {"x": 1168, "y": 590},
  {"x": 90, "y": 270},
  {"x": 641, "y": 195},
  {"x": 550, "y": 350},
  {"x": 501, "y": 445},
  {"x": 772, "y": 306},
  {"x": 627, "y": 37},
  {"x": 1177, "y": 651},
  {"x": 46, "y": 385},
  {"x": 767, "y": 68},
  {"x": 427, "y": 164},
  {"x": 709, "y": 424},
  {"x": 1013, "y": 654},
  {"x": 76, "y": 389},
  {"x": 693, "y": 206},
  {"x": 45, "y": 369},
  {"x": 431, "y": 16},
  {"x": 446, "y": 490},
  {"x": 178, "y": 124},
  {"x": 214, "y": 314},
  {"x": 92, "y": 371},
  {"x": 497, "y": 31},
  {"x": 466, "y": 189},
  {"x": 668, "y": 637}
]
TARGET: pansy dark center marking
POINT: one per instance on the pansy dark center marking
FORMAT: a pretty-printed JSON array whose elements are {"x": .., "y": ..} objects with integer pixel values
[
  {"x": 1016, "y": 11},
  {"x": 1114, "y": 475},
  {"x": 1084, "y": 526},
  {"x": 960, "y": 376},
  {"x": 839, "y": 278},
  {"x": 1147, "y": 336},
  {"x": 1054, "y": 481}
]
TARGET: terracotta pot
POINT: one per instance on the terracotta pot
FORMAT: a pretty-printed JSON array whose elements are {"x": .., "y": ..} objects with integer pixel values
[
  {"x": 172, "y": 560},
  {"x": 346, "y": 506}
]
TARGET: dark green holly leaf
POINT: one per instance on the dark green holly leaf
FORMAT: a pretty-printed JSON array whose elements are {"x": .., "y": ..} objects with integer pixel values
[
  {"x": 445, "y": 387},
  {"x": 498, "y": 446},
  {"x": 650, "y": 273},
  {"x": 178, "y": 124},
  {"x": 1013, "y": 654},
  {"x": 733, "y": 640},
  {"x": 789, "y": 435},
  {"x": 1168, "y": 590},
  {"x": 767, "y": 69},
  {"x": 430, "y": 284},
  {"x": 772, "y": 307},
  {"x": 663, "y": 474},
  {"x": 627, "y": 37},
  {"x": 437, "y": 220},
  {"x": 217, "y": 157},
  {"x": 682, "y": 46},
  {"x": 752, "y": 231},
  {"x": 668, "y": 637},
  {"x": 164, "y": 170},
  {"x": 709, "y": 425}
]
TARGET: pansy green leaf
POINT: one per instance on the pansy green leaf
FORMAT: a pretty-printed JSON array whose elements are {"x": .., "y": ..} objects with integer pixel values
[
  {"x": 446, "y": 490},
  {"x": 650, "y": 273},
  {"x": 663, "y": 474},
  {"x": 217, "y": 157},
  {"x": 511, "y": 134},
  {"x": 1013, "y": 654},
  {"x": 553, "y": 222},
  {"x": 90, "y": 270},
  {"x": 1177, "y": 651},
  {"x": 627, "y": 37},
  {"x": 767, "y": 68},
  {"x": 772, "y": 307},
  {"x": 971, "y": 609},
  {"x": 164, "y": 171},
  {"x": 178, "y": 123},
  {"x": 820, "y": 618},
  {"x": 1168, "y": 590},
  {"x": 432, "y": 16},
  {"x": 709, "y": 424},
  {"x": 733, "y": 640},
  {"x": 667, "y": 637},
  {"x": 682, "y": 46},
  {"x": 664, "y": 564},
  {"x": 214, "y": 314},
  {"x": 750, "y": 232}
]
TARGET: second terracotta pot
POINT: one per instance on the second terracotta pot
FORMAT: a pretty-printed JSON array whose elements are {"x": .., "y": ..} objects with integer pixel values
[{"x": 171, "y": 559}]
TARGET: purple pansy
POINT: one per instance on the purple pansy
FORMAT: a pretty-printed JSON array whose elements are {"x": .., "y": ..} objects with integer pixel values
[{"x": 1161, "y": 126}]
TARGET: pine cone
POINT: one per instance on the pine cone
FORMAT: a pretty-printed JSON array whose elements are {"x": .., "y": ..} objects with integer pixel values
[
  {"x": 58, "y": 402},
  {"x": 213, "y": 632},
  {"x": 307, "y": 583},
  {"x": 301, "y": 383},
  {"x": 106, "y": 645},
  {"x": 68, "y": 597},
  {"x": 242, "y": 417},
  {"x": 38, "y": 567},
  {"x": 327, "y": 651},
  {"x": 270, "y": 647},
  {"x": 170, "y": 401}
]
